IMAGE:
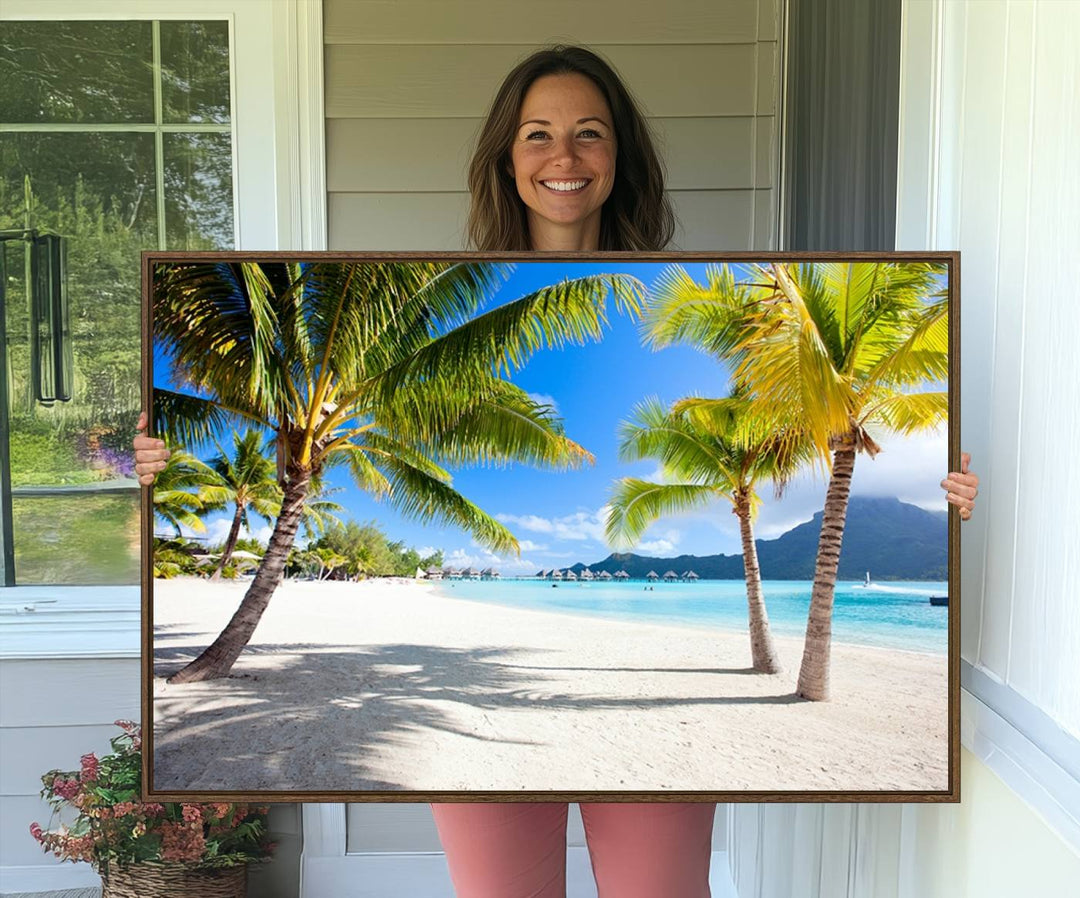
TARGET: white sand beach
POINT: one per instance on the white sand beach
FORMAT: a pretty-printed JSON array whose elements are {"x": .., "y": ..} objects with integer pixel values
[{"x": 387, "y": 686}]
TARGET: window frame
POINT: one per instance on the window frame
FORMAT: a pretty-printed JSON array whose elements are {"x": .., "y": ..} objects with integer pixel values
[{"x": 279, "y": 203}]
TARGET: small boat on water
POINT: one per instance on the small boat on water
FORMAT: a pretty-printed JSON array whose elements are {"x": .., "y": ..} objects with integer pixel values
[{"x": 939, "y": 600}]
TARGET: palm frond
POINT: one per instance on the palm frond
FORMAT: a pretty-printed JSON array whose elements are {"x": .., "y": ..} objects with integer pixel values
[{"x": 636, "y": 504}]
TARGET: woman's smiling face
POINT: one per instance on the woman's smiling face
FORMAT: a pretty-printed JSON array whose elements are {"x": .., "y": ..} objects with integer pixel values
[{"x": 563, "y": 160}]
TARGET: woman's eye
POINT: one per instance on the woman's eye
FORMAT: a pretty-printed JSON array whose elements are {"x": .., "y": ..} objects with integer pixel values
[
  {"x": 589, "y": 132},
  {"x": 536, "y": 135}
]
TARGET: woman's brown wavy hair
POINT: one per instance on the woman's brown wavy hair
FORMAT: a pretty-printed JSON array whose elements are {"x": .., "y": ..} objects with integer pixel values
[{"x": 637, "y": 214}]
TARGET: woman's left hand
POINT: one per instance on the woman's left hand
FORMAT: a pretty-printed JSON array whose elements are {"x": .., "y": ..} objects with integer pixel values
[{"x": 962, "y": 487}]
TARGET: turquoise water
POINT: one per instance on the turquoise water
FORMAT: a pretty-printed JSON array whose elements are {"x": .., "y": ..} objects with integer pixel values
[{"x": 891, "y": 615}]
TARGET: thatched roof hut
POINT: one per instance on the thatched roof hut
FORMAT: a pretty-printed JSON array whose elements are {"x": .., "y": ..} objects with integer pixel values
[
  {"x": 622, "y": 575},
  {"x": 570, "y": 575},
  {"x": 587, "y": 574},
  {"x": 690, "y": 575},
  {"x": 671, "y": 575},
  {"x": 433, "y": 573},
  {"x": 604, "y": 575},
  {"x": 652, "y": 575}
]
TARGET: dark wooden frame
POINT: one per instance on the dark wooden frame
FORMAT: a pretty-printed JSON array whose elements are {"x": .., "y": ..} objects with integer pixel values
[{"x": 950, "y": 795}]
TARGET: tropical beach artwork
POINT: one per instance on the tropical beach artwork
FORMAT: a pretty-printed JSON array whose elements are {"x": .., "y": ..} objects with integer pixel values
[{"x": 459, "y": 525}]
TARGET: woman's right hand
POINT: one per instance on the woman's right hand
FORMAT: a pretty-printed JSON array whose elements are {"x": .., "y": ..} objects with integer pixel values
[{"x": 150, "y": 454}]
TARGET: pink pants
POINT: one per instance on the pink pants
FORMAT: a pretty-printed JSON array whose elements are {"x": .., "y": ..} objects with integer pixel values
[{"x": 518, "y": 850}]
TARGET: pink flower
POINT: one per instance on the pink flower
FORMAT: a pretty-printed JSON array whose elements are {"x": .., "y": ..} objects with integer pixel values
[
  {"x": 65, "y": 788},
  {"x": 89, "y": 768},
  {"x": 153, "y": 809},
  {"x": 192, "y": 813},
  {"x": 36, "y": 831}
]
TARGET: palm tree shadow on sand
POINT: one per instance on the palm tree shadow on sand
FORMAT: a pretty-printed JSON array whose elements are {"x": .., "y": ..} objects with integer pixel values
[{"x": 269, "y": 725}]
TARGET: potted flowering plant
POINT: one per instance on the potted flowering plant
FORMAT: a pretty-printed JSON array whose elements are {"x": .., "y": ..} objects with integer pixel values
[{"x": 144, "y": 848}]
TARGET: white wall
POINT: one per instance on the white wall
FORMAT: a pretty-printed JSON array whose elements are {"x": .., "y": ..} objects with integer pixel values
[{"x": 990, "y": 123}]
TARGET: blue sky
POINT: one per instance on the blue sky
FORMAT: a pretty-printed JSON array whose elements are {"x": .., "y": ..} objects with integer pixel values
[{"x": 558, "y": 516}]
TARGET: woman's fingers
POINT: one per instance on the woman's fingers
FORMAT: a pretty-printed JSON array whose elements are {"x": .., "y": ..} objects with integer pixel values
[
  {"x": 966, "y": 485},
  {"x": 150, "y": 453}
]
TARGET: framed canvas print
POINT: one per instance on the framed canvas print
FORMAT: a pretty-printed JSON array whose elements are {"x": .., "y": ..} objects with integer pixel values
[{"x": 519, "y": 527}]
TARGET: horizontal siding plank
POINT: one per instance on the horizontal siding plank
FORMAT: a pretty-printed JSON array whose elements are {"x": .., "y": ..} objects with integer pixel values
[
  {"x": 390, "y": 827},
  {"x": 459, "y": 81},
  {"x": 765, "y": 152},
  {"x": 28, "y": 752},
  {"x": 63, "y": 692},
  {"x": 402, "y": 155},
  {"x": 765, "y": 224},
  {"x": 768, "y": 28},
  {"x": 397, "y": 221},
  {"x": 17, "y": 846},
  {"x": 708, "y": 220},
  {"x": 713, "y": 219},
  {"x": 768, "y": 78},
  {"x": 533, "y": 24}
]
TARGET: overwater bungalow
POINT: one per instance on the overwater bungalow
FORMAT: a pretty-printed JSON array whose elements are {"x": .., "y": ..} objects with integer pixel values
[
  {"x": 604, "y": 575},
  {"x": 556, "y": 575},
  {"x": 570, "y": 575},
  {"x": 671, "y": 577},
  {"x": 652, "y": 575},
  {"x": 472, "y": 573},
  {"x": 690, "y": 575},
  {"x": 433, "y": 573},
  {"x": 586, "y": 574},
  {"x": 451, "y": 573},
  {"x": 622, "y": 575}
]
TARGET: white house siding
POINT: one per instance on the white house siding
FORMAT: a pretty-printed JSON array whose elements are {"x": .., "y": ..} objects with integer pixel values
[
  {"x": 408, "y": 83},
  {"x": 52, "y": 711},
  {"x": 990, "y": 122}
]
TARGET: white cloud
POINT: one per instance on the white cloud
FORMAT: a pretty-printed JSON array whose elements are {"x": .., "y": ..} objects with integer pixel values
[
  {"x": 661, "y": 547},
  {"x": 217, "y": 531},
  {"x": 463, "y": 558},
  {"x": 544, "y": 399},
  {"x": 527, "y": 545},
  {"x": 581, "y": 525}
]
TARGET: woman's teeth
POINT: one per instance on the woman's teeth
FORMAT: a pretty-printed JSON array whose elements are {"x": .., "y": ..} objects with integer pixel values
[{"x": 564, "y": 186}]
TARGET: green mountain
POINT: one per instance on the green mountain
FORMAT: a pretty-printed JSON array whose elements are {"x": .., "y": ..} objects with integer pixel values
[{"x": 891, "y": 539}]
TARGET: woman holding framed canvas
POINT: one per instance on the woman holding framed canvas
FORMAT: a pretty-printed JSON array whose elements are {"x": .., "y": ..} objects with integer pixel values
[{"x": 565, "y": 163}]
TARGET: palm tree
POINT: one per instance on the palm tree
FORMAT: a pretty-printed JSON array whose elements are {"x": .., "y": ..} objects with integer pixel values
[
  {"x": 712, "y": 448},
  {"x": 839, "y": 348},
  {"x": 249, "y": 481},
  {"x": 184, "y": 490},
  {"x": 385, "y": 367}
]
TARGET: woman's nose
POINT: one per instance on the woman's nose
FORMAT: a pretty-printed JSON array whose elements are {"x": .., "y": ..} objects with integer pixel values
[{"x": 564, "y": 150}]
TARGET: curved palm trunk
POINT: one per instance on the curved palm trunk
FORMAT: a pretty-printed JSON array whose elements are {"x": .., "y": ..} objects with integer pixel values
[
  {"x": 814, "y": 673},
  {"x": 762, "y": 649},
  {"x": 230, "y": 543},
  {"x": 217, "y": 659}
]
